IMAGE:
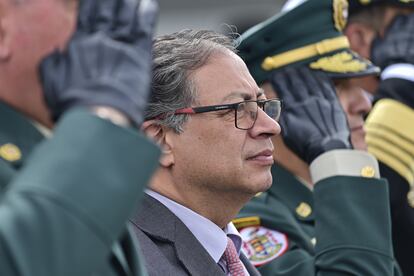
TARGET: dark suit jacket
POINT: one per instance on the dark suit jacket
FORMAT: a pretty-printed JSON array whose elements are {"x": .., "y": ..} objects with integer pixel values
[
  {"x": 65, "y": 202},
  {"x": 168, "y": 246}
]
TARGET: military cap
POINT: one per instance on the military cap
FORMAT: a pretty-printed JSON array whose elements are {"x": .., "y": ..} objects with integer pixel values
[
  {"x": 356, "y": 5},
  {"x": 310, "y": 33}
]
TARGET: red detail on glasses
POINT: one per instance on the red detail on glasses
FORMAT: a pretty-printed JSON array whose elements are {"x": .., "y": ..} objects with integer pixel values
[{"x": 187, "y": 110}]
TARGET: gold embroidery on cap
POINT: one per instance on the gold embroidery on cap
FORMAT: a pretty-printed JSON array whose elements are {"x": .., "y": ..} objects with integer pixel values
[
  {"x": 315, "y": 49},
  {"x": 10, "y": 152},
  {"x": 340, "y": 13},
  {"x": 342, "y": 62},
  {"x": 304, "y": 210}
]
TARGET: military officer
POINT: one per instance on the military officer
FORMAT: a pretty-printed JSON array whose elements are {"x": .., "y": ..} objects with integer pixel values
[
  {"x": 316, "y": 218},
  {"x": 383, "y": 30},
  {"x": 64, "y": 201}
]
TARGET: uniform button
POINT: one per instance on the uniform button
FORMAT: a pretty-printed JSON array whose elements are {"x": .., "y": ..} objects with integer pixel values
[
  {"x": 303, "y": 210},
  {"x": 313, "y": 241},
  {"x": 10, "y": 152},
  {"x": 368, "y": 171}
]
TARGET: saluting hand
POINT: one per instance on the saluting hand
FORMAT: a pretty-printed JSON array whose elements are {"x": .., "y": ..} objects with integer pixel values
[
  {"x": 107, "y": 62},
  {"x": 312, "y": 121}
]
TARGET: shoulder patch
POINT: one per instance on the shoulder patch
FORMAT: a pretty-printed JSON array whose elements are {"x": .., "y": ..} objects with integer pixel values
[
  {"x": 241, "y": 223},
  {"x": 262, "y": 245}
]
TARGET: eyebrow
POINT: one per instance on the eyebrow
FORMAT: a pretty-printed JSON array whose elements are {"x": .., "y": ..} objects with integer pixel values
[{"x": 245, "y": 96}]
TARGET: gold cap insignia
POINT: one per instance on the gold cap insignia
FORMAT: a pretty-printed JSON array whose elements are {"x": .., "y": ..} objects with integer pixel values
[
  {"x": 10, "y": 152},
  {"x": 340, "y": 13},
  {"x": 368, "y": 171},
  {"x": 341, "y": 62},
  {"x": 304, "y": 210}
]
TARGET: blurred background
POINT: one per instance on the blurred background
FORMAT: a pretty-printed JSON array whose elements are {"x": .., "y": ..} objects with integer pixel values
[{"x": 176, "y": 15}]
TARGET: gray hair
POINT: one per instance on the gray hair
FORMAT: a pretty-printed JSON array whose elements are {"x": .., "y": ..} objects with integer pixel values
[{"x": 176, "y": 56}]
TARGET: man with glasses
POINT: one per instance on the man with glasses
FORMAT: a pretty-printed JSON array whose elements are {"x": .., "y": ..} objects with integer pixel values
[
  {"x": 327, "y": 212},
  {"x": 214, "y": 126}
]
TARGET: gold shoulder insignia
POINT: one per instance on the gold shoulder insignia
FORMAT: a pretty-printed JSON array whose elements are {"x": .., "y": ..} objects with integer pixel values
[
  {"x": 241, "y": 223},
  {"x": 10, "y": 152},
  {"x": 342, "y": 62}
]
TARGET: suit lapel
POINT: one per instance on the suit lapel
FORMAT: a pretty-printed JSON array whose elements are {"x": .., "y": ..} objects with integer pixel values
[
  {"x": 192, "y": 254},
  {"x": 158, "y": 221}
]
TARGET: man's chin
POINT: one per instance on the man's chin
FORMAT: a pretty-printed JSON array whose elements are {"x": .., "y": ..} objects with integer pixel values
[{"x": 264, "y": 185}]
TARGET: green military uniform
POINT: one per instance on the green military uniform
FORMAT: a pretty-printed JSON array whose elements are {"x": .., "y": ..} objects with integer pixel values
[
  {"x": 342, "y": 227},
  {"x": 65, "y": 201},
  {"x": 308, "y": 228}
]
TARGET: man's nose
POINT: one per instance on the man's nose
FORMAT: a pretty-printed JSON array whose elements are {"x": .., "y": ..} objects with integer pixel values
[{"x": 265, "y": 126}]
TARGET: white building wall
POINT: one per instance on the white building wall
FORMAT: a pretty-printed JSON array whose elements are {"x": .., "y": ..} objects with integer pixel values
[{"x": 213, "y": 14}]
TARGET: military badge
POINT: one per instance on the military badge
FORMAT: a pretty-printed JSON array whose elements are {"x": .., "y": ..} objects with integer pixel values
[
  {"x": 262, "y": 245},
  {"x": 340, "y": 14}
]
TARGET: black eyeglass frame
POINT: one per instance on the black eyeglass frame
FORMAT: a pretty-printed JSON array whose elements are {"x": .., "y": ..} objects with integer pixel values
[{"x": 233, "y": 106}]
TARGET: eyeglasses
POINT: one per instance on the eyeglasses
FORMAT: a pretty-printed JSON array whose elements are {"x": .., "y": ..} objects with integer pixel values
[{"x": 245, "y": 113}]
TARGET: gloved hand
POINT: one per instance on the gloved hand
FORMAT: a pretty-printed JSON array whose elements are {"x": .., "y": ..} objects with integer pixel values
[
  {"x": 312, "y": 121},
  {"x": 397, "y": 46},
  {"x": 107, "y": 61}
]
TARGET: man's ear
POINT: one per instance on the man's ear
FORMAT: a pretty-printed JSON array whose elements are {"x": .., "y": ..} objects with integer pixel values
[
  {"x": 162, "y": 137},
  {"x": 360, "y": 37},
  {"x": 4, "y": 45}
]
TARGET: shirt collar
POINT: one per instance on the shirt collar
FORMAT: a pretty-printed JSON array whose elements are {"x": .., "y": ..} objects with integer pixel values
[{"x": 210, "y": 236}]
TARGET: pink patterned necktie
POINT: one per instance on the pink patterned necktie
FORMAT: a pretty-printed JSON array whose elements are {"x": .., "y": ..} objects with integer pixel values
[{"x": 234, "y": 265}]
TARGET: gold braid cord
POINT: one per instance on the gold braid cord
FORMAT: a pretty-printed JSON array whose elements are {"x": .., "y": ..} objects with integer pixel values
[{"x": 390, "y": 138}]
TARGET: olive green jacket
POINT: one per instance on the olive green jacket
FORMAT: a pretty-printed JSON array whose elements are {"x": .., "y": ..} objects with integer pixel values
[
  {"x": 64, "y": 202},
  {"x": 341, "y": 228}
]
